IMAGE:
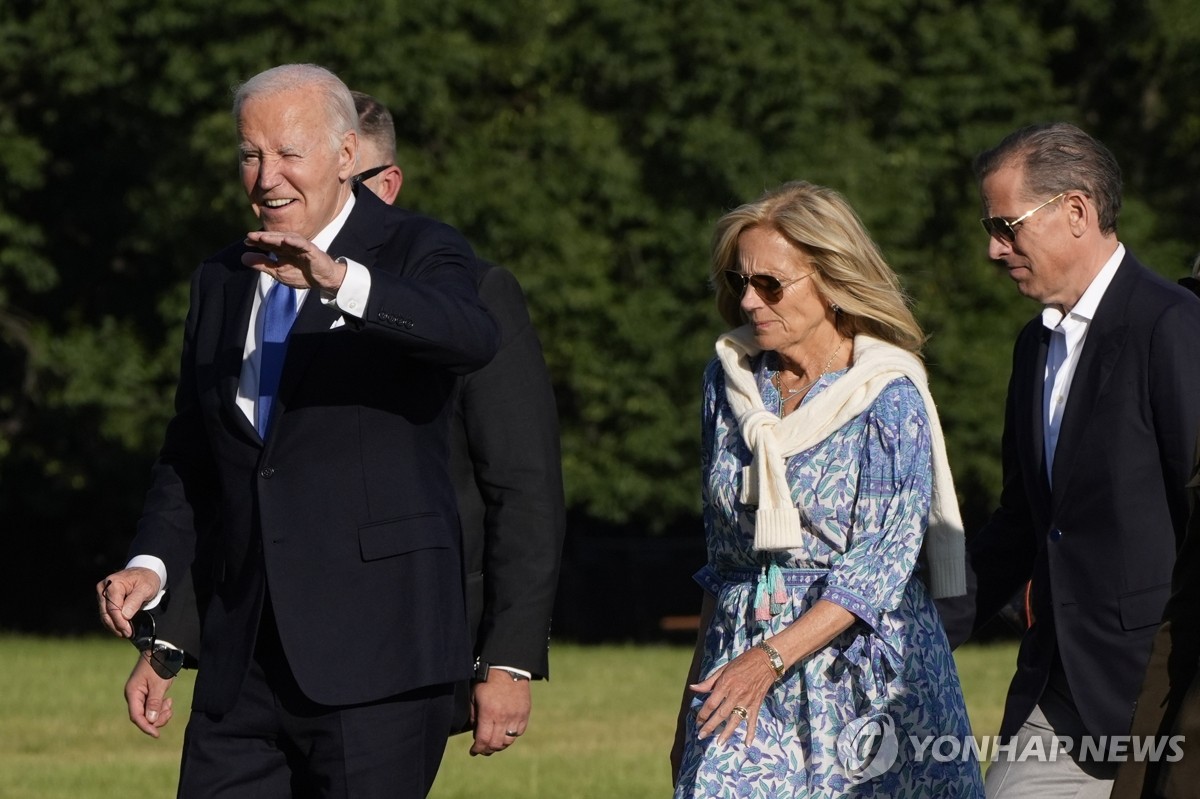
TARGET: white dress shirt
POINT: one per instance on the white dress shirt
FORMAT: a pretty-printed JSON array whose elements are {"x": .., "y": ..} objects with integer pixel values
[
  {"x": 1067, "y": 335},
  {"x": 351, "y": 299}
]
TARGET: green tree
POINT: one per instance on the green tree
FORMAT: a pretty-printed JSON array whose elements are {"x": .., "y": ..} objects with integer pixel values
[{"x": 588, "y": 145}]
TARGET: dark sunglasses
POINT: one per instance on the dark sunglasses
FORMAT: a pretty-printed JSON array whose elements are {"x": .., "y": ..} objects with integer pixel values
[
  {"x": 165, "y": 660},
  {"x": 368, "y": 173},
  {"x": 769, "y": 287},
  {"x": 1001, "y": 229}
]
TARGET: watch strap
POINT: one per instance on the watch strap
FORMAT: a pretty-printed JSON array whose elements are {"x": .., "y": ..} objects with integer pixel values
[{"x": 773, "y": 656}]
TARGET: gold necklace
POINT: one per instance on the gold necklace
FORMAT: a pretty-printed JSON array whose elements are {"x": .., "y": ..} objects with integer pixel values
[{"x": 791, "y": 393}]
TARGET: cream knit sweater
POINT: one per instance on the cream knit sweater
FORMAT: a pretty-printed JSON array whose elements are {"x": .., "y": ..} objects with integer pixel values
[{"x": 772, "y": 440}]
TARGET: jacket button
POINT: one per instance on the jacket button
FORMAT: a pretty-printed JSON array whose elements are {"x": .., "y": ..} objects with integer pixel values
[
  {"x": 1055, "y": 534},
  {"x": 266, "y": 473}
]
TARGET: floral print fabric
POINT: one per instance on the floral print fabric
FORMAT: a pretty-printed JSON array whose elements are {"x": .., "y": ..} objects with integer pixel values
[{"x": 839, "y": 722}]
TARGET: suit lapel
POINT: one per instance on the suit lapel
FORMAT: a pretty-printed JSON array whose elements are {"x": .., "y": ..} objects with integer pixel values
[
  {"x": 239, "y": 300},
  {"x": 1106, "y": 337},
  {"x": 1038, "y": 409},
  {"x": 358, "y": 239},
  {"x": 1029, "y": 407},
  {"x": 367, "y": 227}
]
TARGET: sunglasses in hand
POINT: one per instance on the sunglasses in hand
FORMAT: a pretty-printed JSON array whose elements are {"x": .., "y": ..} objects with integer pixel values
[{"x": 166, "y": 660}]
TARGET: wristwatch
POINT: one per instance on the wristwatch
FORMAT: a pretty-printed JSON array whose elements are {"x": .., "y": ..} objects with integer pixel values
[
  {"x": 482, "y": 667},
  {"x": 776, "y": 660},
  {"x": 166, "y": 659}
]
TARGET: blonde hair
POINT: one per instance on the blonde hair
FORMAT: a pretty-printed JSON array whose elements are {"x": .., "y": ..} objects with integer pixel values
[{"x": 850, "y": 272}]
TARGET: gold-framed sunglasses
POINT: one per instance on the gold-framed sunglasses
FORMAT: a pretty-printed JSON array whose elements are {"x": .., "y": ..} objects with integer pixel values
[
  {"x": 769, "y": 287},
  {"x": 1001, "y": 229}
]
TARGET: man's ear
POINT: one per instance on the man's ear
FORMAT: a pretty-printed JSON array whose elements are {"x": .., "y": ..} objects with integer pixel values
[
  {"x": 388, "y": 183},
  {"x": 348, "y": 155},
  {"x": 1081, "y": 213}
]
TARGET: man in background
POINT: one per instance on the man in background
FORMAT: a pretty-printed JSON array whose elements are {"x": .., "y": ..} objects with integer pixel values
[{"x": 507, "y": 474}]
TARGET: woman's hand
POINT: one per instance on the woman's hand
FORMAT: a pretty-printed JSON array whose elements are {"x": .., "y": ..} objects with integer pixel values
[{"x": 735, "y": 693}]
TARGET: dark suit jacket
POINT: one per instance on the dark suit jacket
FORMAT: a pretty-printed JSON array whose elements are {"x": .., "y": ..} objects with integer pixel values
[
  {"x": 508, "y": 480},
  {"x": 347, "y": 509},
  {"x": 505, "y": 464},
  {"x": 1099, "y": 547}
]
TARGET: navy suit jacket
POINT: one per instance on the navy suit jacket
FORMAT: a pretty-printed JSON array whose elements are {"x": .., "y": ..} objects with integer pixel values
[
  {"x": 347, "y": 510},
  {"x": 505, "y": 462},
  {"x": 1100, "y": 545},
  {"x": 508, "y": 480}
]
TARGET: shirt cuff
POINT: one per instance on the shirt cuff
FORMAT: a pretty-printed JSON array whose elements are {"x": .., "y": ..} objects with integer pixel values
[
  {"x": 158, "y": 567},
  {"x": 521, "y": 673},
  {"x": 352, "y": 297}
]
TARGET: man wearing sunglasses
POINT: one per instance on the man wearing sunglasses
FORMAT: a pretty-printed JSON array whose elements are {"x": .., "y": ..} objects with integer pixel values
[
  {"x": 1099, "y": 426},
  {"x": 508, "y": 479}
]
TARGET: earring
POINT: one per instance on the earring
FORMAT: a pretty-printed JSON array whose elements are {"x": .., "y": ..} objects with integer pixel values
[{"x": 833, "y": 306}]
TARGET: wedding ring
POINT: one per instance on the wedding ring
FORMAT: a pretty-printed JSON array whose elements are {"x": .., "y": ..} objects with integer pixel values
[
  {"x": 511, "y": 733},
  {"x": 741, "y": 711}
]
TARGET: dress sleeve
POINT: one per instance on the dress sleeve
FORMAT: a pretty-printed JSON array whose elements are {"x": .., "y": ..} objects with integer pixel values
[
  {"x": 890, "y": 509},
  {"x": 714, "y": 384}
]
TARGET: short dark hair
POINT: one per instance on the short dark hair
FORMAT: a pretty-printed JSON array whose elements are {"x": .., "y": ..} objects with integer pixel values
[
  {"x": 375, "y": 122},
  {"x": 1059, "y": 157}
]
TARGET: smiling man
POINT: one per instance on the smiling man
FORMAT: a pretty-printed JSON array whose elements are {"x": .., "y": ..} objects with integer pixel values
[
  {"x": 1099, "y": 427},
  {"x": 309, "y": 455}
]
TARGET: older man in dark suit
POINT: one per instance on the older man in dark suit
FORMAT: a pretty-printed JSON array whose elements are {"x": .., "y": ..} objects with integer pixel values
[
  {"x": 1099, "y": 426},
  {"x": 508, "y": 479},
  {"x": 310, "y": 458}
]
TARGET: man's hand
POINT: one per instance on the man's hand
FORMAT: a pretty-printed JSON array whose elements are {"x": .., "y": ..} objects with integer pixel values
[
  {"x": 123, "y": 594},
  {"x": 294, "y": 261},
  {"x": 146, "y": 695},
  {"x": 499, "y": 707}
]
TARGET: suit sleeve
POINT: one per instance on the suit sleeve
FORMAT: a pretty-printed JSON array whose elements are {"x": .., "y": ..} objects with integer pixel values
[
  {"x": 1174, "y": 376},
  {"x": 1000, "y": 556},
  {"x": 513, "y": 442},
  {"x": 1175, "y": 385},
  {"x": 183, "y": 492},
  {"x": 177, "y": 619},
  {"x": 423, "y": 295}
]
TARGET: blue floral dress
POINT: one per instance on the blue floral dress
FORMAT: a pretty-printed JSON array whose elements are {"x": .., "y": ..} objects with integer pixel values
[{"x": 843, "y": 721}]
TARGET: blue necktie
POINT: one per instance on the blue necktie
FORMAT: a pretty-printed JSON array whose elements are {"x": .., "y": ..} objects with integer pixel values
[
  {"x": 1056, "y": 357},
  {"x": 279, "y": 311}
]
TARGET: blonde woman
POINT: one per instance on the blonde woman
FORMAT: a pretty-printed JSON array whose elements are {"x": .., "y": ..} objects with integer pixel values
[{"x": 821, "y": 668}]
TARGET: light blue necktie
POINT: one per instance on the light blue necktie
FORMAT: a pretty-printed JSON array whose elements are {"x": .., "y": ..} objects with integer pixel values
[
  {"x": 279, "y": 311},
  {"x": 1056, "y": 358}
]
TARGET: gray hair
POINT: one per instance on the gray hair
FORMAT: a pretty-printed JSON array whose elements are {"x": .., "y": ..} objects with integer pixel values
[
  {"x": 334, "y": 95},
  {"x": 1059, "y": 157}
]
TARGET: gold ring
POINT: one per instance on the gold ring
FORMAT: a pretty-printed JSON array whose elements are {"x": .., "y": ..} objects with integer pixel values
[{"x": 741, "y": 711}]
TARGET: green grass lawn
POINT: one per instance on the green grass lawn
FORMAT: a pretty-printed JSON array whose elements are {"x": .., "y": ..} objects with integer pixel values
[{"x": 601, "y": 728}]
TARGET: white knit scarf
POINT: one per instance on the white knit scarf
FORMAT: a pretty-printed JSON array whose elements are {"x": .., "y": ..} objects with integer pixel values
[{"x": 772, "y": 440}]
